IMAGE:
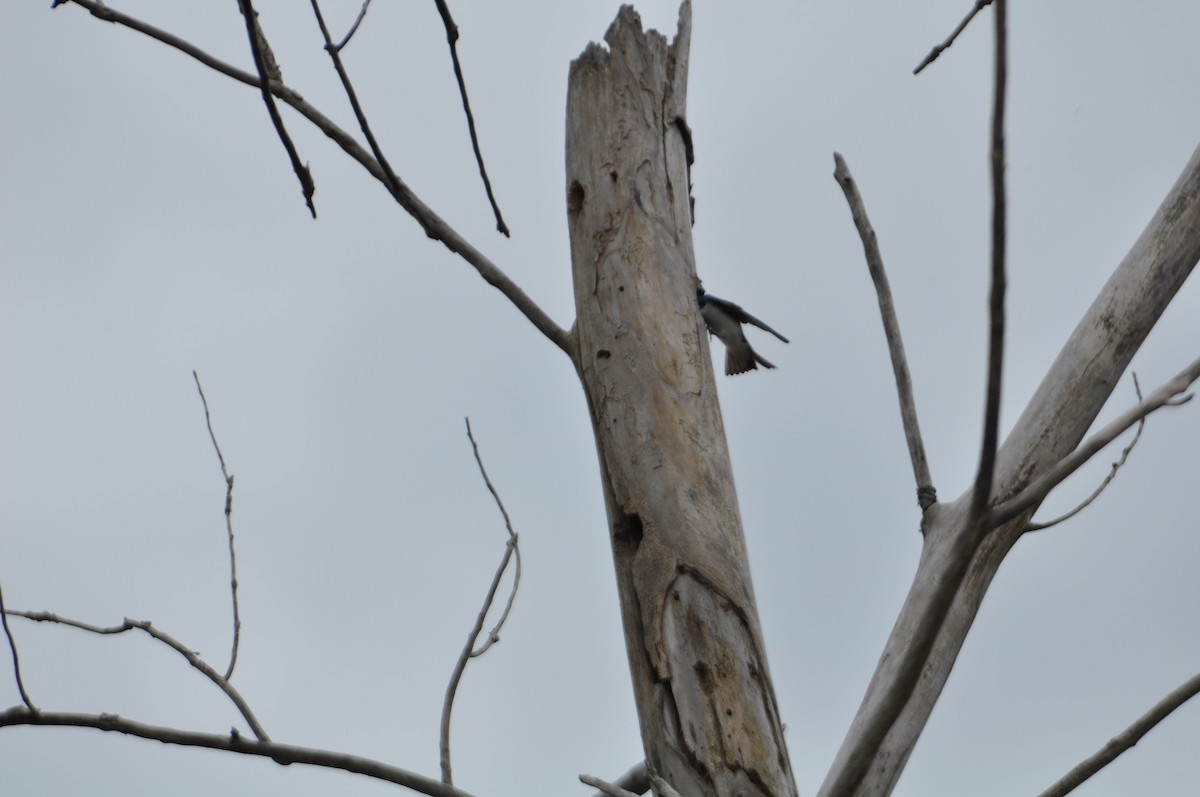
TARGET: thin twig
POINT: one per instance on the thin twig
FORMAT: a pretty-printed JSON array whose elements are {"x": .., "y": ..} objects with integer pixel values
[
  {"x": 511, "y": 551},
  {"x": 1035, "y": 493},
  {"x": 1112, "y": 473},
  {"x": 433, "y": 224},
  {"x": 260, "y": 50},
  {"x": 393, "y": 182},
  {"x": 145, "y": 625},
  {"x": 354, "y": 28},
  {"x": 452, "y": 39},
  {"x": 606, "y": 788},
  {"x": 281, "y": 753},
  {"x": 1125, "y": 739},
  {"x": 937, "y": 50},
  {"x": 926, "y": 494},
  {"x": 233, "y": 580},
  {"x": 12, "y": 646},
  {"x": 991, "y": 423}
]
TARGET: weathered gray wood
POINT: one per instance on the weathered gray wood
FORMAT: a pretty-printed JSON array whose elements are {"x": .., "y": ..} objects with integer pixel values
[
  {"x": 709, "y": 718},
  {"x": 1052, "y": 425}
]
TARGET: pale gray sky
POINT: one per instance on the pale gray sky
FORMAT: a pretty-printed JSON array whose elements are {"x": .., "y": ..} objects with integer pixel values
[{"x": 151, "y": 224}]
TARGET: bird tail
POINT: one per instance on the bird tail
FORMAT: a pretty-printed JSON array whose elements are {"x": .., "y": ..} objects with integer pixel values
[{"x": 739, "y": 360}]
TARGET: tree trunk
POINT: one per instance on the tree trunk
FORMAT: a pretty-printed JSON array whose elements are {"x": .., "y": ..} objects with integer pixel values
[{"x": 709, "y": 719}]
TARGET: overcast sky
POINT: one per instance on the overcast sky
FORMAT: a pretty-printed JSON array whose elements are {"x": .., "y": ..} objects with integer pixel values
[{"x": 151, "y": 225}]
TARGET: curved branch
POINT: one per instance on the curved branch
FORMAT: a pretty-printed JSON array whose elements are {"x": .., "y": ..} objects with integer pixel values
[
  {"x": 1037, "y": 491},
  {"x": 433, "y": 224},
  {"x": 926, "y": 494},
  {"x": 169, "y": 641},
  {"x": 280, "y": 753},
  {"x": 469, "y": 652},
  {"x": 1112, "y": 474},
  {"x": 233, "y": 581},
  {"x": 1125, "y": 739}
]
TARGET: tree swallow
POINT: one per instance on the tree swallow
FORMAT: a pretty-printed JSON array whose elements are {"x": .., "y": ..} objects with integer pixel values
[{"x": 724, "y": 319}]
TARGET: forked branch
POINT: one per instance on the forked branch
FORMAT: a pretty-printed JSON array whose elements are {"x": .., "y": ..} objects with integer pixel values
[
  {"x": 511, "y": 553},
  {"x": 926, "y": 494},
  {"x": 162, "y": 636},
  {"x": 1166, "y": 395},
  {"x": 433, "y": 224}
]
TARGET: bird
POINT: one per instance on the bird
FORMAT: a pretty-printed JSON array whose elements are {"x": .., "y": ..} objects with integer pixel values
[{"x": 724, "y": 319}]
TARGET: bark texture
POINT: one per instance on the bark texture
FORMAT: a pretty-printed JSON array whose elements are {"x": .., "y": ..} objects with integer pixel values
[
  {"x": 1054, "y": 422},
  {"x": 709, "y": 720}
]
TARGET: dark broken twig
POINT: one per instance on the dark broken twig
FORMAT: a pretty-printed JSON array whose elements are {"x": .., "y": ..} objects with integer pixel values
[
  {"x": 362, "y": 14},
  {"x": 16, "y": 659},
  {"x": 938, "y": 49},
  {"x": 452, "y": 39},
  {"x": 262, "y": 62}
]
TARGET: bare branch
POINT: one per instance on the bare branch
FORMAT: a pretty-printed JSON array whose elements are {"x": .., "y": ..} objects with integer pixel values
[
  {"x": 433, "y": 225},
  {"x": 262, "y": 62},
  {"x": 926, "y": 494},
  {"x": 606, "y": 788},
  {"x": 991, "y": 422},
  {"x": 636, "y": 780},
  {"x": 452, "y": 39},
  {"x": 937, "y": 50},
  {"x": 12, "y": 646},
  {"x": 469, "y": 651},
  {"x": 1125, "y": 739},
  {"x": 354, "y": 28},
  {"x": 1112, "y": 474},
  {"x": 233, "y": 580},
  {"x": 1037, "y": 491},
  {"x": 858, "y": 754},
  {"x": 233, "y": 742},
  {"x": 168, "y": 640}
]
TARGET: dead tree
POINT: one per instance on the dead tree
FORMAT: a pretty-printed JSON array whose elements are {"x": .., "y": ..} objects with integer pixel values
[{"x": 709, "y": 720}]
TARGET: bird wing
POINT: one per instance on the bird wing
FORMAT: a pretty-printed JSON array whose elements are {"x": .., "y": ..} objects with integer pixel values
[{"x": 741, "y": 316}]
